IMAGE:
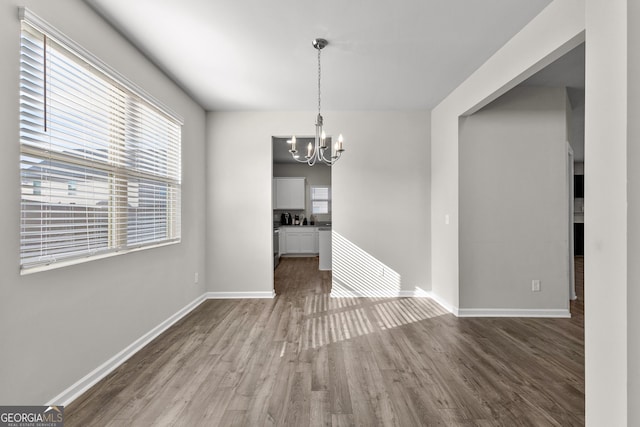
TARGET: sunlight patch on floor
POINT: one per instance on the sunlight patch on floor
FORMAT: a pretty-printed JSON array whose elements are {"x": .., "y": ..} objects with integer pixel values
[
  {"x": 330, "y": 320},
  {"x": 395, "y": 313}
]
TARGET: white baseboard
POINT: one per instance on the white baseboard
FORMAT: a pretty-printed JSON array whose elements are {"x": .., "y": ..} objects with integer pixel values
[
  {"x": 417, "y": 293},
  {"x": 505, "y": 312},
  {"x": 239, "y": 295},
  {"x": 466, "y": 312},
  {"x": 92, "y": 378},
  {"x": 385, "y": 294},
  {"x": 444, "y": 304}
]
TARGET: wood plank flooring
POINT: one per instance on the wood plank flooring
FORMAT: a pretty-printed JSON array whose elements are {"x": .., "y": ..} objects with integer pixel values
[{"x": 306, "y": 359}]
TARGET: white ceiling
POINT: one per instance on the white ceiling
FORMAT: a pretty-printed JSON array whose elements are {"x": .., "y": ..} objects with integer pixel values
[
  {"x": 566, "y": 71},
  {"x": 257, "y": 54}
]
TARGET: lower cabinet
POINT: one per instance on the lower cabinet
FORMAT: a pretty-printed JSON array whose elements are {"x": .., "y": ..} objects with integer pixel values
[{"x": 300, "y": 240}]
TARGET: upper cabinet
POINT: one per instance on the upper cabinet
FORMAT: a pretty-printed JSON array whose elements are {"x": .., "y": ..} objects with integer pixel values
[{"x": 289, "y": 193}]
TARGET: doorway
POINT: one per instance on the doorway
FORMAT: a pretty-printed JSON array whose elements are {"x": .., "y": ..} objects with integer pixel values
[
  {"x": 301, "y": 204},
  {"x": 569, "y": 72}
]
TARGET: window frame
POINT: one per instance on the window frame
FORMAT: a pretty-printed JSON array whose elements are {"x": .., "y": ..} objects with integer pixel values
[
  {"x": 313, "y": 199},
  {"x": 119, "y": 222}
]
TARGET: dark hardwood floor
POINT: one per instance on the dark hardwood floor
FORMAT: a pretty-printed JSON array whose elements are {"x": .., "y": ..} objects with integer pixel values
[{"x": 306, "y": 359}]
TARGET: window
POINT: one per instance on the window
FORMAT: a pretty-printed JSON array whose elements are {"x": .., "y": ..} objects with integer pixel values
[
  {"x": 99, "y": 159},
  {"x": 320, "y": 200}
]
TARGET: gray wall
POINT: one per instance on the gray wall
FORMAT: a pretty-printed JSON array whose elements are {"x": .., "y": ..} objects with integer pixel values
[
  {"x": 514, "y": 199},
  {"x": 633, "y": 232},
  {"x": 576, "y": 131},
  {"x": 380, "y": 192},
  {"x": 555, "y": 31},
  {"x": 57, "y": 326},
  {"x": 381, "y": 195}
]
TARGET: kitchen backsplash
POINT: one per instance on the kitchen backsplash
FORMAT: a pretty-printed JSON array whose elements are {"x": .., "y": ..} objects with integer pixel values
[{"x": 318, "y": 219}]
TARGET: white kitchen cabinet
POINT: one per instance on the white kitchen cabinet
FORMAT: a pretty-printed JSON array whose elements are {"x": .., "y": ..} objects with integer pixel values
[
  {"x": 293, "y": 244},
  {"x": 289, "y": 193},
  {"x": 308, "y": 241},
  {"x": 300, "y": 240}
]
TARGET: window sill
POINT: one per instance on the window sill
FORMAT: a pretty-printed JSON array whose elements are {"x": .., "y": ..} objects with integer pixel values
[{"x": 75, "y": 261}]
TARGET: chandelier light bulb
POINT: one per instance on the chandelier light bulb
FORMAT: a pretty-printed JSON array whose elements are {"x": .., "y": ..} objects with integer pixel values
[{"x": 293, "y": 146}]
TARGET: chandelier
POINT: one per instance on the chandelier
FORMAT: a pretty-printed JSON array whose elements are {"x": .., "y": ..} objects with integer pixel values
[{"x": 318, "y": 151}]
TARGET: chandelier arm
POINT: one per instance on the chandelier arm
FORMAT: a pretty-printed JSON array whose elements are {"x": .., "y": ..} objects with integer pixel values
[
  {"x": 331, "y": 160},
  {"x": 297, "y": 159},
  {"x": 323, "y": 157},
  {"x": 309, "y": 159}
]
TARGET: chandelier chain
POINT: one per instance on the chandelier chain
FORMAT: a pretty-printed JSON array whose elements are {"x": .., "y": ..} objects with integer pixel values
[{"x": 319, "y": 75}]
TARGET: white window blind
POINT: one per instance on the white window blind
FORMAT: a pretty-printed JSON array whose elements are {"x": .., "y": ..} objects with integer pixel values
[
  {"x": 320, "y": 199},
  {"x": 99, "y": 159}
]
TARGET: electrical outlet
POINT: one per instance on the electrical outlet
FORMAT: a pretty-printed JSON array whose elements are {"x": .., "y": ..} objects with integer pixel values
[
  {"x": 196, "y": 277},
  {"x": 535, "y": 286}
]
